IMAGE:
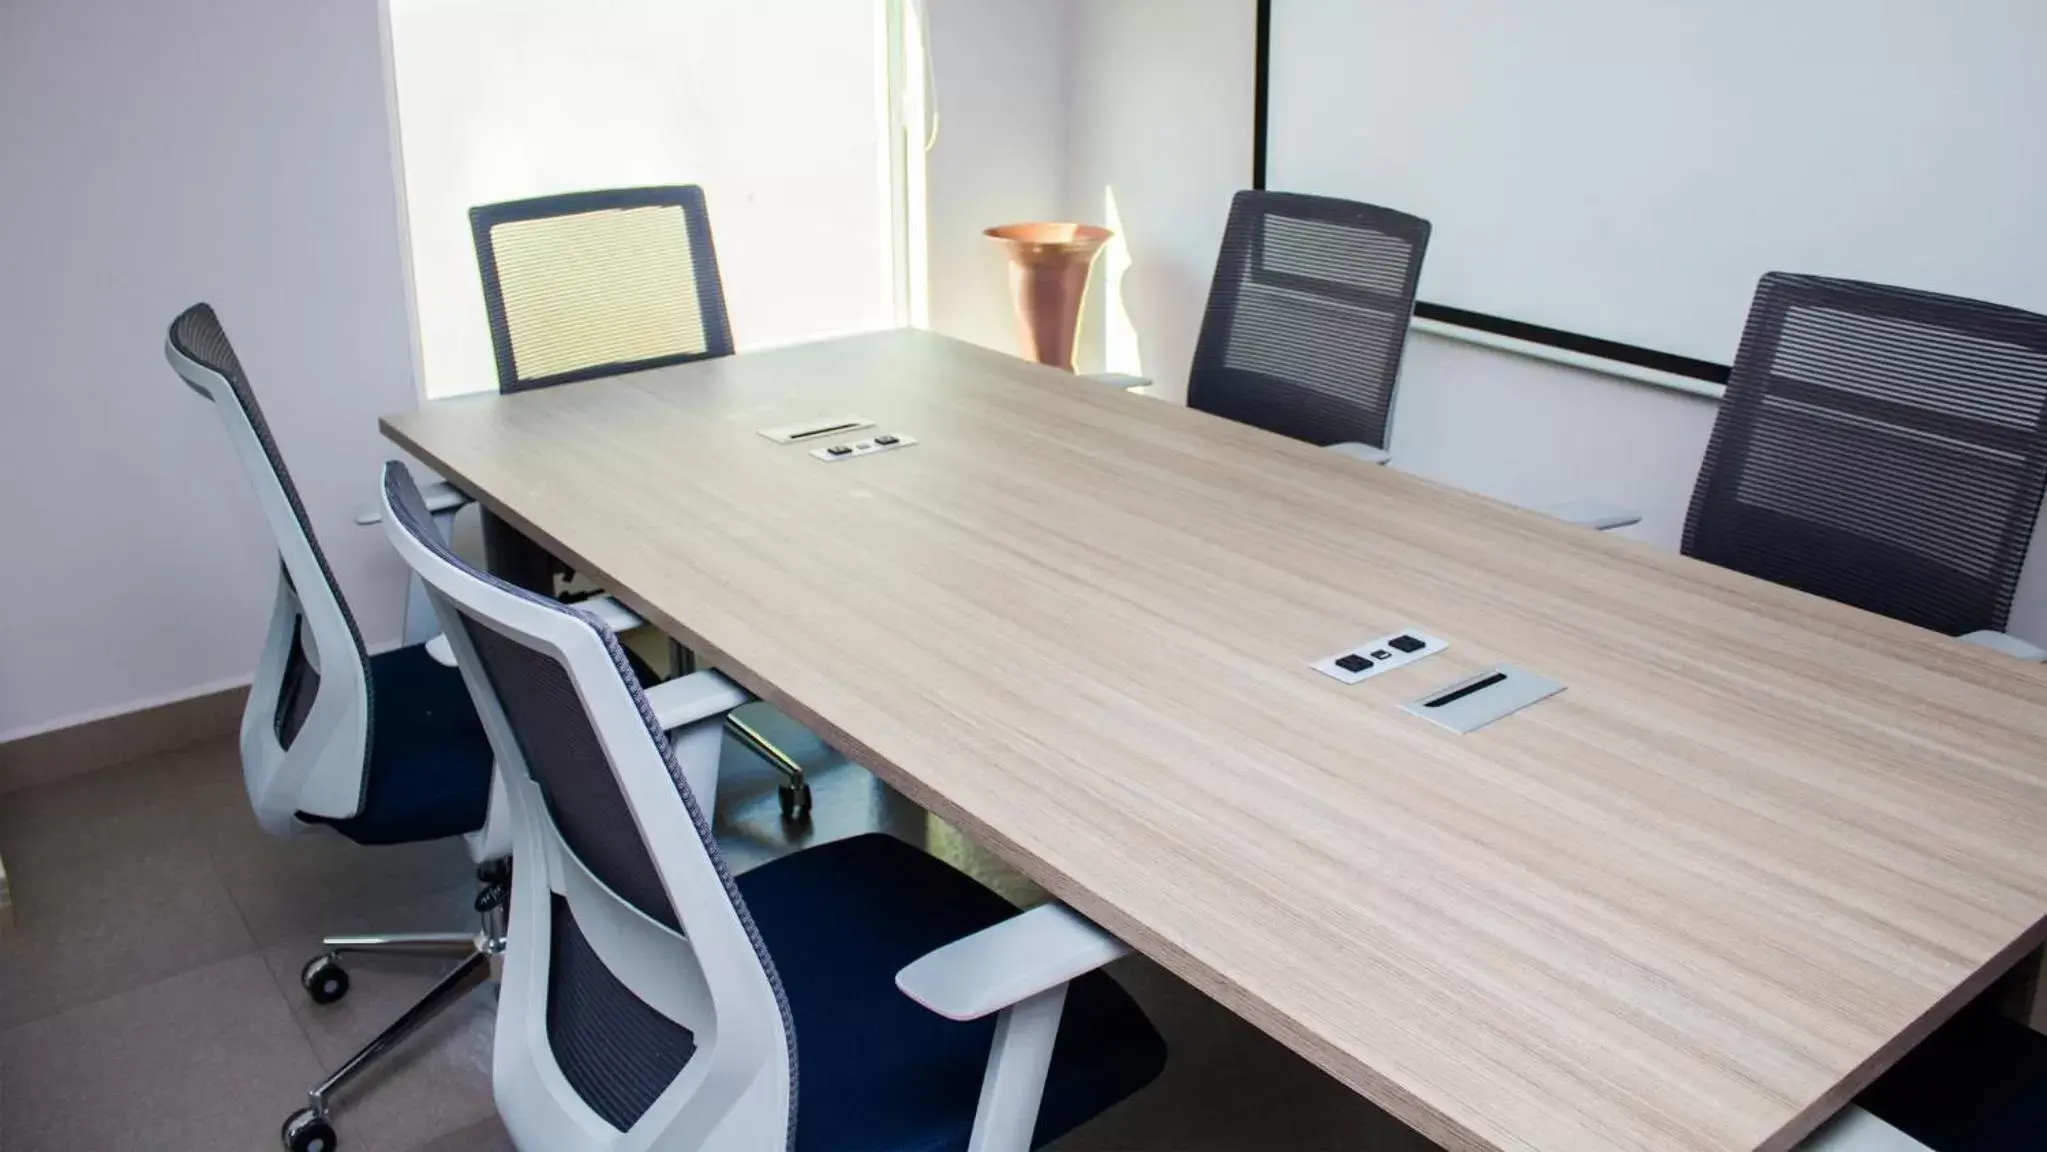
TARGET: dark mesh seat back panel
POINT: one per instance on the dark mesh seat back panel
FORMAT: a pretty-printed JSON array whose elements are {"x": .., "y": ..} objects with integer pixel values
[
  {"x": 198, "y": 336},
  {"x": 615, "y": 1051},
  {"x": 563, "y": 753},
  {"x": 1308, "y": 316},
  {"x": 295, "y": 694},
  {"x": 599, "y": 283},
  {"x": 1880, "y": 447},
  {"x": 408, "y": 510}
]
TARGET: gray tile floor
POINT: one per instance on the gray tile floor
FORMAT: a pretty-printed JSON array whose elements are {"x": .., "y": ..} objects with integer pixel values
[{"x": 149, "y": 996}]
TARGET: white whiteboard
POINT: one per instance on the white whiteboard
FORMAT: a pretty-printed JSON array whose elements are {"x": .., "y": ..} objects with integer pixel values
[{"x": 1627, "y": 169}]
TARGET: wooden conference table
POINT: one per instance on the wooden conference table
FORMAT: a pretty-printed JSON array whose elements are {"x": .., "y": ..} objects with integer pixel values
[{"x": 1757, "y": 848}]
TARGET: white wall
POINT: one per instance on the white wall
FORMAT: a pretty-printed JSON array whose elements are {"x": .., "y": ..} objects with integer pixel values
[
  {"x": 1000, "y": 73},
  {"x": 1046, "y": 109},
  {"x": 1531, "y": 432},
  {"x": 1159, "y": 118},
  {"x": 157, "y": 154}
]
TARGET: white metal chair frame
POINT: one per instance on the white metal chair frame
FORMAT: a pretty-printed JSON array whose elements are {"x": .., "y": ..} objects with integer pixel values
[{"x": 322, "y": 771}]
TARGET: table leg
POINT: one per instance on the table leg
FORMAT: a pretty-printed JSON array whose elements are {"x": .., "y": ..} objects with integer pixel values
[
  {"x": 2018, "y": 993},
  {"x": 515, "y": 559}
]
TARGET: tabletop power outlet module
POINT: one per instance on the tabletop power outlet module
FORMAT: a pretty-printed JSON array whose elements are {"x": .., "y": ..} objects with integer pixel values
[
  {"x": 886, "y": 442},
  {"x": 1376, "y": 657}
]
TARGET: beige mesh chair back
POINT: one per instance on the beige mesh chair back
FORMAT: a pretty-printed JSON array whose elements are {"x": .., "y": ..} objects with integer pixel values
[{"x": 593, "y": 284}]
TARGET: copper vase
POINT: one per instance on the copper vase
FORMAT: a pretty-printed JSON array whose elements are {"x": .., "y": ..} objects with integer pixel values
[{"x": 1048, "y": 270}]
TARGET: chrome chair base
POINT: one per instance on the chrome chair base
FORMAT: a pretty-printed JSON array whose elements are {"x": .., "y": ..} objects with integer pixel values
[
  {"x": 311, "y": 1128},
  {"x": 795, "y": 791}
]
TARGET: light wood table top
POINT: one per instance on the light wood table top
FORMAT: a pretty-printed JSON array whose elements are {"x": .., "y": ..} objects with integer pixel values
[{"x": 1758, "y": 847}]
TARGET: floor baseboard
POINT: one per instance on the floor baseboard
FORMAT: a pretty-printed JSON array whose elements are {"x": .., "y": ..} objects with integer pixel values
[{"x": 97, "y": 744}]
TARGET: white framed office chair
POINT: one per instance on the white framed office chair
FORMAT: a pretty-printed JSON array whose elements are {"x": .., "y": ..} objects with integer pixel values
[
  {"x": 382, "y": 749},
  {"x": 653, "y": 1001}
]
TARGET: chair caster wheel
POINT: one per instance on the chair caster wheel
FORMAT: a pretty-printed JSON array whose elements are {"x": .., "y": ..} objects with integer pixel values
[
  {"x": 795, "y": 801},
  {"x": 325, "y": 980},
  {"x": 307, "y": 1131}
]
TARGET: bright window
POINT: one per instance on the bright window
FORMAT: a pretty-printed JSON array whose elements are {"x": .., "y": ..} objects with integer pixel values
[{"x": 780, "y": 109}]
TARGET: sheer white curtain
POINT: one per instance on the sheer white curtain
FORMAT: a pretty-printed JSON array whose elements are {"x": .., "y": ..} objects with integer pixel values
[{"x": 778, "y": 108}]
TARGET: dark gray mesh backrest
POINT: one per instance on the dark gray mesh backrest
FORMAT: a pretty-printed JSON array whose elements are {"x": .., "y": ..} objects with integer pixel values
[
  {"x": 198, "y": 336},
  {"x": 1308, "y": 315},
  {"x": 595, "y": 284},
  {"x": 296, "y": 691},
  {"x": 575, "y": 777},
  {"x": 620, "y": 1065},
  {"x": 1880, "y": 447},
  {"x": 617, "y": 1053}
]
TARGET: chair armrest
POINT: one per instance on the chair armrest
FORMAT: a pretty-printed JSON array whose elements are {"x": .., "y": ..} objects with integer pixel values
[
  {"x": 1121, "y": 380},
  {"x": 442, "y": 652},
  {"x": 1854, "y": 1130},
  {"x": 1590, "y": 514},
  {"x": 1007, "y": 963},
  {"x": 1357, "y": 451},
  {"x": 615, "y": 616},
  {"x": 441, "y": 496},
  {"x": 2008, "y": 644},
  {"x": 697, "y": 696}
]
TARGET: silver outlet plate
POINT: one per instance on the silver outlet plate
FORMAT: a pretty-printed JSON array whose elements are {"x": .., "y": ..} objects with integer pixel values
[
  {"x": 1476, "y": 701},
  {"x": 812, "y": 429}
]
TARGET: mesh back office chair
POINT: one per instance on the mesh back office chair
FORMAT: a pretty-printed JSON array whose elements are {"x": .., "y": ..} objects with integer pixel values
[
  {"x": 585, "y": 285},
  {"x": 1306, "y": 324},
  {"x": 1882, "y": 447},
  {"x": 384, "y": 749},
  {"x": 1886, "y": 448},
  {"x": 593, "y": 284},
  {"x": 1307, "y": 317},
  {"x": 652, "y": 1001},
  {"x": 580, "y": 286}
]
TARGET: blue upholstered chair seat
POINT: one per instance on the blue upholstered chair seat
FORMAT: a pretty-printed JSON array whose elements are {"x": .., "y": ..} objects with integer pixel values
[
  {"x": 880, "y": 1072},
  {"x": 429, "y": 764},
  {"x": 1978, "y": 1084}
]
